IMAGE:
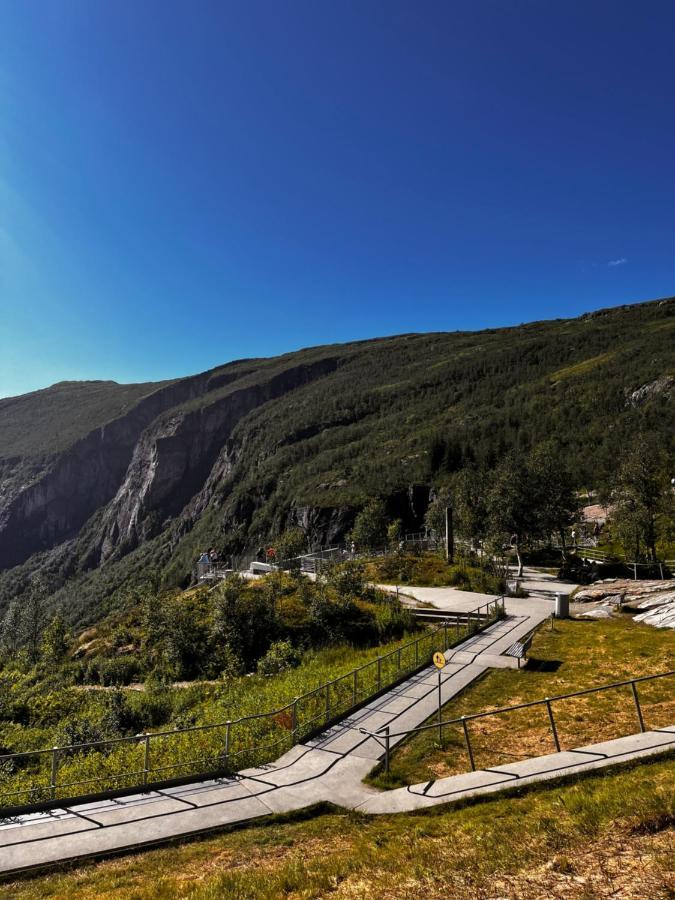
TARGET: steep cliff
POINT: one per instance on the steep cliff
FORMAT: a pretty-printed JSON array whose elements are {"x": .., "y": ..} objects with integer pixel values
[{"x": 100, "y": 482}]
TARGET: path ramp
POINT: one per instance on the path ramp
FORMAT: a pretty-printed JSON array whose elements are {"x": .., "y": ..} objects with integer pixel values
[{"x": 328, "y": 768}]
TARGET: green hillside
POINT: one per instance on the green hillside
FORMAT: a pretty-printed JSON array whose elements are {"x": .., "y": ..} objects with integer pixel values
[
  {"x": 47, "y": 421},
  {"x": 234, "y": 456}
]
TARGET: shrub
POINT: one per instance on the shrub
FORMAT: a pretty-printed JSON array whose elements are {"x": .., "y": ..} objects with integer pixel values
[{"x": 281, "y": 655}]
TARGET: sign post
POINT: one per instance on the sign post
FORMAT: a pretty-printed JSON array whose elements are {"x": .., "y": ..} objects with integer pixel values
[{"x": 439, "y": 662}]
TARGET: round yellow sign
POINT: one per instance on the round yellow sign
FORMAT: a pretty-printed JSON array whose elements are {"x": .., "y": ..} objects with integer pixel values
[{"x": 439, "y": 660}]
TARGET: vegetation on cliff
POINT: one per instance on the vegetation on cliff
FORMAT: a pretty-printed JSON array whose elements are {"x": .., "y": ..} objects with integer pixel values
[{"x": 235, "y": 456}]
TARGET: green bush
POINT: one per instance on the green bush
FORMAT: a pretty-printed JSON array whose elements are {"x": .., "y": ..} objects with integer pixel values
[{"x": 281, "y": 655}]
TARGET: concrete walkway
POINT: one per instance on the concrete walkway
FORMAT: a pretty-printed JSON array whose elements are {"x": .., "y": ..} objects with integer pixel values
[{"x": 329, "y": 768}]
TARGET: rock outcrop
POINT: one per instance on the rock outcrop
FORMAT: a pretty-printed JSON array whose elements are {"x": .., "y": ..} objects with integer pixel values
[
  {"x": 663, "y": 386},
  {"x": 653, "y": 600}
]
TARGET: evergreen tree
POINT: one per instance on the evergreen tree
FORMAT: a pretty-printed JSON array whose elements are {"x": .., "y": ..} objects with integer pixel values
[{"x": 33, "y": 618}]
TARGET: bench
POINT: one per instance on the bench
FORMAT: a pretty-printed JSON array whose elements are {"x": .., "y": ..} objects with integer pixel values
[{"x": 519, "y": 648}]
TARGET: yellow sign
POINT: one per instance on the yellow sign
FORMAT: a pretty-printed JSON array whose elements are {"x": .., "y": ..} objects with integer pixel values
[{"x": 439, "y": 660}]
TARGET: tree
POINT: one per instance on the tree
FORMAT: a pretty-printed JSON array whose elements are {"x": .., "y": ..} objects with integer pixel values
[
  {"x": 434, "y": 518},
  {"x": 54, "y": 641},
  {"x": 509, "y": 509},
  {"x": 394, "y": 534},
  {"x": 10, "y": 634},
  {"x": 33, "y": 616},
  {"x": 553, "y": 500},
  {"x": 469, "y": 505},
  {"x": 369, "y": 531},
  {"x": 290, "y": 544},
  {"x": 639, "y": 496}
]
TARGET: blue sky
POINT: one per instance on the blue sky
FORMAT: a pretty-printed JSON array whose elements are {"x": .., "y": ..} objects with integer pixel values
[{"x": 184, "y": 183}]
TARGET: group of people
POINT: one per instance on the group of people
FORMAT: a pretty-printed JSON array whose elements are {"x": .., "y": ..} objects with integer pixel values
[{"x": 209, "y": 557}]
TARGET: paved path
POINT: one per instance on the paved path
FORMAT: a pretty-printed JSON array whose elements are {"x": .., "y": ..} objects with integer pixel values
[
  {"x": 540, "y": 585},
  {"x": 329, "y": 768}
]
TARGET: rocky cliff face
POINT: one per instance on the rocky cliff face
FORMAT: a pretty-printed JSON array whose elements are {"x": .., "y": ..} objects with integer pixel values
[
  {"x": 140, "y": 470},
  {"x": 103, "y": 484}
]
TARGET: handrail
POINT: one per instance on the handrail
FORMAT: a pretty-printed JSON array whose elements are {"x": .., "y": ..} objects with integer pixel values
[
  {"x": 505, "y": 709},
  {"x": 355, "y": 697}
]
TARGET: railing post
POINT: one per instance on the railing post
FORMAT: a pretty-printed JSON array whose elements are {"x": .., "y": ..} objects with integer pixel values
[
  {"x": 417, "y": 652},
  {"x": 327, "y": 701},
  {"x": 294, "y": 718},
  {"x": 355, "y": 688},
  {"x": 468, "y": 744},
  {"x": 379, "y": 672},
  {"x": 146, "y": 760},
  {"x": 227, "y": 743},
  {"x": 386, "y": 750},
  {"x": 54, "y": 772},
  {"x": 554, "y": 730},
  {"x": 399, "y": 659},
  {"x": 445, "y": 635},
  {"x": 457, "y": 626},
  {"x": 638, "y": 709}
]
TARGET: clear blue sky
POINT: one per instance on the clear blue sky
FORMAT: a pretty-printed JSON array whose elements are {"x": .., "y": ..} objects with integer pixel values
[{"x": 184, "y": 183}]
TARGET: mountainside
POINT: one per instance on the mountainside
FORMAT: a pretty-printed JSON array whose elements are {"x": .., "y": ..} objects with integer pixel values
[{"x": 102, "y": 483}]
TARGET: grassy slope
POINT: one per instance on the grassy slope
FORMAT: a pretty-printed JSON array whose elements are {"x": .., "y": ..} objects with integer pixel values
[
  {"x": 582, "y": 838},
  {"x": 48, "y": 706},
  {"x": 47, "y": 421},
  {"x": 198, "y": 703},
  {"x": 577, "y": 655},
  {"x": 579, "y": 840}
]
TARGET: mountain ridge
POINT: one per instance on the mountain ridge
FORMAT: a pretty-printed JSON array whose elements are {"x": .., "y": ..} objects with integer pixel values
[{"x": 232, "y": 455}]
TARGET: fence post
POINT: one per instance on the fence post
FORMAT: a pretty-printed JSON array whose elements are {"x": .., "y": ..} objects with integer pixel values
[
  {"x": 468, "y": 744},
  {"x": 445, "y": 635},
  {"x": 457, "y": 626},
  {"x": 355, "y": 688},
  {"x": 227, "y": 743},
  {"x": 399, "y": 659},
  {"x": 294, "y": 718},
  {"x": 379, "y": 672},
  {"x": 417, "y": 652},
  {"x": 327, "y": 701},
  {"x": 637, "y": 706},
  {"x": 146, "y": 760},
  {"x": 54, "y": 772},
  {"x": 554, "y": 730},
  {"x": 386, "y": 750}
]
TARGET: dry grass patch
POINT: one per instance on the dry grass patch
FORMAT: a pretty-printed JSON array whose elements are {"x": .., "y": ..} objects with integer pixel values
[
  {"x": 581, "y": 839},
  {"x": 575, "y": 656}
]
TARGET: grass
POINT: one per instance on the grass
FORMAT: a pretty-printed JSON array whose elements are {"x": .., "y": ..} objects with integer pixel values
[
  {"x": 581, "y": 368},
  {"x": 251, "y": 742},
  {"x": 579, "y": 839},
  {"x": 50, "y": 420},
  {"x": 576, "y": 655}
]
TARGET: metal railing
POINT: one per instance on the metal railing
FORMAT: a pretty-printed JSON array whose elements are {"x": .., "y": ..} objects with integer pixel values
[
  {"x": 595, "y": 554},
  {"x": 384, "y": 735},
  {"x": 70, "y": 773}
]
